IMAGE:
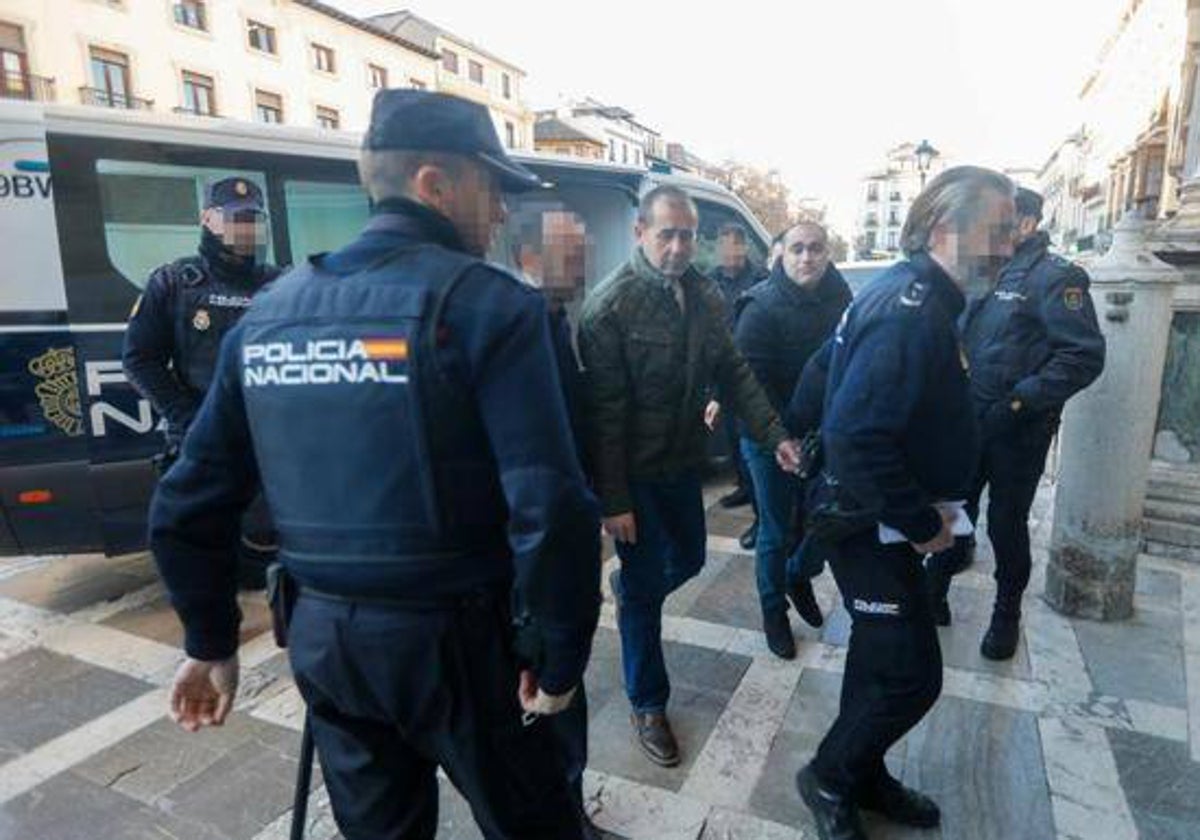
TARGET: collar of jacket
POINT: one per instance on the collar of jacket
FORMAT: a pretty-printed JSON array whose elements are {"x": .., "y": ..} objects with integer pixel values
[
  {"x": 643, "y": 269},
  {"x": 799, "y": 294},
  {"x": 1029, "y": 252},
  {"x": 943, "y": 286},
  {"x": 412, "y": 219},
  {"x": 722, "y": 276}
]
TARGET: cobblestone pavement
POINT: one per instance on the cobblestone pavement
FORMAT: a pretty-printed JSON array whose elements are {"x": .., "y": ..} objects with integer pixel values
[{"x": 1091, "y": 732}]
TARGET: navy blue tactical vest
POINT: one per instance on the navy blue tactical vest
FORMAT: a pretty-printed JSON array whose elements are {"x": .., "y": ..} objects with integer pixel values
[{"x": 396, "y": 478}]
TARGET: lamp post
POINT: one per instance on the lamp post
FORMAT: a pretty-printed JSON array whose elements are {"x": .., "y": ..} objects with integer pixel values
[{"x": 925, "y": 154}]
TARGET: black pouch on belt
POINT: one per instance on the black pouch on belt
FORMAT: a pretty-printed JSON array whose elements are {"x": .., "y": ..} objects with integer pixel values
[{"x": 281, "y": 597}]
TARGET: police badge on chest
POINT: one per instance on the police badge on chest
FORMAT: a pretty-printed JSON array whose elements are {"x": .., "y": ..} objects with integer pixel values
[{"x": 201, "y": 321}]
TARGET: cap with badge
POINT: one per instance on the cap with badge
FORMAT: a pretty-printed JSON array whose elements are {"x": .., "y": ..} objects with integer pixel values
[
  {"x": 419, "y": 120},
  {"x": 234, "y": 195}
]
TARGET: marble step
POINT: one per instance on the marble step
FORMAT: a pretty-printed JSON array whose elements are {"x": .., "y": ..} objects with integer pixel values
[
  {"x": 1184, "y": 553},
  {"x": 1170, "y": 491},
  {"x": 1184, "y": 513},
  {"x": 1172, "y": 533}
]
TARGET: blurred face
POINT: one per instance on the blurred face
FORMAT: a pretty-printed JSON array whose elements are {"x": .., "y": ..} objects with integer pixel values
[
  {"x": 243, "y": 232},
  {"x": 805, "y": 254},
  {"x": 669, "y": 238},
  {"x": 732, "y": 252},
  {"x": 470, "y": 197},
  {"x": 556, "y": 263},
  {"x": 974, "y": 254}
]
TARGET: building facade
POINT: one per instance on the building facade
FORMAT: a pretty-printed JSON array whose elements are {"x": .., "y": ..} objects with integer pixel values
[
  {"x": 467, "y": 70},
  {"x": 1122, "y": 159},
  {"x": 556, "y": 136},
  {"x": 884, "y": 201},
  {"x": 625, "y": 140},
  {"x": 296, "y": 62}
]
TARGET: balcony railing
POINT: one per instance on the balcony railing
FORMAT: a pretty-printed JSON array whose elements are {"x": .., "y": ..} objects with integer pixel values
[
  {"x": 26, "y": 86},
  {"x": 112, "y": 99},
  {"x": 195, "y": 112}
]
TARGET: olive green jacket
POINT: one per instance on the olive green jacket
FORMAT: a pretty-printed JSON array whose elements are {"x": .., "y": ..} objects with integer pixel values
[{"x": 649, "y": 371}]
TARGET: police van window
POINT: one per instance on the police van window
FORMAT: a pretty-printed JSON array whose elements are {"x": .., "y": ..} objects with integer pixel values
[
  {"x": 151, "y": 212},
  {"x": 322, "y": 216},
  {"x": 713, "y": 217}
]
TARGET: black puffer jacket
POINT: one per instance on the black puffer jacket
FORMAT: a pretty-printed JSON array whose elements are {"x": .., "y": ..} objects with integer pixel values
[{"x": 780, "y": 325}]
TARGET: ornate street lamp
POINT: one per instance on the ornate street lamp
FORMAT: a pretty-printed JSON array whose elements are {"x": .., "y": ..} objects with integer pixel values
[{"x": 925, "y": 154}]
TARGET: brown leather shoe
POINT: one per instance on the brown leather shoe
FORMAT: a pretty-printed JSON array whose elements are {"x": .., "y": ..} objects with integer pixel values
[{"x": 656, "y": 739}]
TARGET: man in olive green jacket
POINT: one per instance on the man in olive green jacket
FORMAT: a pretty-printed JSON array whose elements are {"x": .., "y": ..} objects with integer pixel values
[{"x": 654, "y": 339}]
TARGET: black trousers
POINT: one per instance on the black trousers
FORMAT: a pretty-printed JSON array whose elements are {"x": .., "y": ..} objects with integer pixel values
[
  {"x": 571, "y": 729},
  {"x": 394, "y": 694},
  {"x": 893, "y": 666},
  {"x": 1011, "y": 467}
]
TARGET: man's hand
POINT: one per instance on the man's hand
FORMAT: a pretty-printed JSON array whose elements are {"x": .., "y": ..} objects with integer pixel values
[
  {"x": 944, "y": 538},
  {"x": 622, "y": 527},
  {"x": 787, "y": 455},
  {"x": 537, "y": 702},
  {"x": 712, "y": 412},
  {"x": 203, "y": 692}
]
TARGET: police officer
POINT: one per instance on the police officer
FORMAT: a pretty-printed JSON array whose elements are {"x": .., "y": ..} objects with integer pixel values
[
  {"x": 400, "y": 402},
  {"x": 1033, "y": 342},
  {"x": 899, "y": 437},
  {"x": 177, "y": 325}
]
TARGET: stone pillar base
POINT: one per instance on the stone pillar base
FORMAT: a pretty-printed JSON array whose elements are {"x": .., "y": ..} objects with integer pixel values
[{"x": 1083, "y": 584}]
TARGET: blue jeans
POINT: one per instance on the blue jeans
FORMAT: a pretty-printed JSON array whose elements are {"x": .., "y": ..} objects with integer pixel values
[
  {"x": 776, "y": 493},
  {"x": 669, "y": 552}
]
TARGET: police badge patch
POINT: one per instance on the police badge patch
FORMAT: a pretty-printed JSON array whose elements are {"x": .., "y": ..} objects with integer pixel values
[
  {"x": 58, "y": 391},
  {"x": 201, "y": 321},
  {"x": 1073, "y": 299}
]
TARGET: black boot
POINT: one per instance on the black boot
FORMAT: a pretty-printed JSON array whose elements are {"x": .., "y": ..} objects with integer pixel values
[
  {"x": 749, "y": 537},
  {"x": 836, "y": 816},
  {"x": 1000, "y": 641},
  {"x": 800, "y": 593},
  {"x": 901, "y": 804},
  {"x": 737, "y": 497},
  {"x": 779, "y": 634}
]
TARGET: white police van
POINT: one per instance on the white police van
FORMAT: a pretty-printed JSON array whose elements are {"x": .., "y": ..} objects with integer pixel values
[{"x": 92, "y": 199}]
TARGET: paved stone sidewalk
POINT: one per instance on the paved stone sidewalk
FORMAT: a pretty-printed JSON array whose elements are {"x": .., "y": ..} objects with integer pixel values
[{"x": 1085, "y": 734}]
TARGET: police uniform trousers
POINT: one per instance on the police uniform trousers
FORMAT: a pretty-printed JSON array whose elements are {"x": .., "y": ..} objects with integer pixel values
[
  {"x": 1011, "y": 467},
  {"x": 893, "y": 671},
  {"x": 395, "y": 692}
]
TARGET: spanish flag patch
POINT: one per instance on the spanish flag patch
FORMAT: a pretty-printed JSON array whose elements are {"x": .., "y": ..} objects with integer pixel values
[{"x": 390, "y": 349}]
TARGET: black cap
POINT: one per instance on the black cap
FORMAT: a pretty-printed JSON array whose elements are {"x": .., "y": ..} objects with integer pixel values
[
  {"x": 420, "y": 120},
  {"x": 232, "y": 194},
  {"x": 1029, "y": 203}
]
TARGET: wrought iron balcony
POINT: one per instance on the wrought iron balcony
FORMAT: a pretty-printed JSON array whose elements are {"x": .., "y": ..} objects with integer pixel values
[
  {"x": 195, "y": 112},
  {"x": 15, "y": 85},
  {"x": 113, "y": 99}
]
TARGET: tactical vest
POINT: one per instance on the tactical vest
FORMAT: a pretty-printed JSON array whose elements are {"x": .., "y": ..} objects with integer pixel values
[
  {"x": 370, "y": 455},
  {"x": 204, "y": 310}
]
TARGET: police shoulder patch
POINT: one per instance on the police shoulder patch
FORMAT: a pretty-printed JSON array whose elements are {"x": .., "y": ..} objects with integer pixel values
[{"x": 1073, "y": 298}]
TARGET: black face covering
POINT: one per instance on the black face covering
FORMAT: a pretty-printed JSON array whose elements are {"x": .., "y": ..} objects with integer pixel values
[{"x": 226, "y": 263}]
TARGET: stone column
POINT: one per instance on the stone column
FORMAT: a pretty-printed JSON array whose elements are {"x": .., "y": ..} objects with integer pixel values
[{"x": 1108, "y": 434}]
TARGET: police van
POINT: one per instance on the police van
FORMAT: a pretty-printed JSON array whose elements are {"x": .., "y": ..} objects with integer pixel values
[{"x": 93, "y": 199}]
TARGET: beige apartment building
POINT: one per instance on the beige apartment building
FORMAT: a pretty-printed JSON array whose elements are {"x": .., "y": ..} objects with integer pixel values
[
  {"x": 298, "y": 62},
  {"x": 468, "y": 70}
]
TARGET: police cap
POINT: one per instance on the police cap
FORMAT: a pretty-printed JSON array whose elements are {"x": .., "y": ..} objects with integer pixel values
[
  {"x": 234, "y": 194},
  {"x": 1029, "y": 203},
  {"x": 420, "y": 120}
]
